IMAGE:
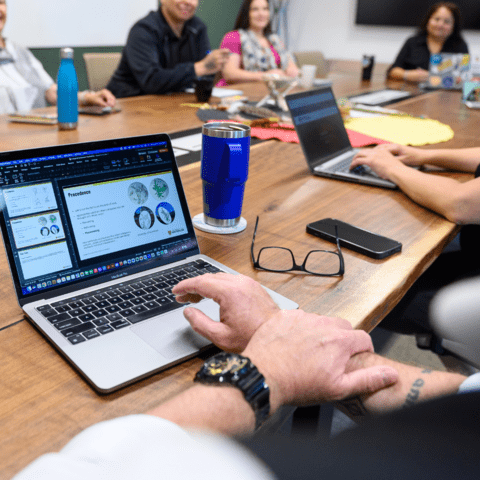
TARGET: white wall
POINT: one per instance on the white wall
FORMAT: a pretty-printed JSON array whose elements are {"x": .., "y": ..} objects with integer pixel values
[
  {"x": 58, "y": 23},
  {"x": 329, "y": 26}
]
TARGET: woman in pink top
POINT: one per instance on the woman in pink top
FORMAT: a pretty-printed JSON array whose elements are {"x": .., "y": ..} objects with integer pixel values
[{"x": 255, "y": 49}]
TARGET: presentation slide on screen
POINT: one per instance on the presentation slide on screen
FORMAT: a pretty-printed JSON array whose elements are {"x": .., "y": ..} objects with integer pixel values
[
  {"x": 112, "y": 216},
  {"x": 37, "y": 229},
  {"x": 43, "y": 260},
  {"x": 29, "y": 199}
]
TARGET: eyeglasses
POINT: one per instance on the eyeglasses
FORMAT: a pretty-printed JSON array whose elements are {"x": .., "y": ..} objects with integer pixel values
[{"x": 323, "y": 263}]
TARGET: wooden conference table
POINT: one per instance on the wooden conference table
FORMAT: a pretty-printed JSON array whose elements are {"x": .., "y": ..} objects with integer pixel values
[{"x": 44, "y": 402}]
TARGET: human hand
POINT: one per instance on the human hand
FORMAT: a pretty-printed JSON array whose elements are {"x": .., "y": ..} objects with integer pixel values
[
  {"x": 417, "y": 75},
  {"x": 292, "y": 70},
  {"x": 213, "y": 62},
  {"x": 244, "y": 306},
  {"x": 275, "y": 71},
  {"x": 411, "y": 156},
  {"x": 380, "y": 160},
  {"x": 103, "y": 98},
  {"x": 304, "y": 358}
]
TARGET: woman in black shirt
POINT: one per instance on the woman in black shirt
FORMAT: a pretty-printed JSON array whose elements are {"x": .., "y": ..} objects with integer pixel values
[{"x": 439, "y": 32}]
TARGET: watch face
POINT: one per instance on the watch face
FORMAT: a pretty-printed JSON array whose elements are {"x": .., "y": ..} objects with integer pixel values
[{"x": 222, "y": 364}]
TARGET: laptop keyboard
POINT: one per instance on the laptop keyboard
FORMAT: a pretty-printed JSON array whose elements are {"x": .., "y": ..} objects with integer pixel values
[
  {"x": 108, "y": 309},
  {"x": 344, "y": 166}
]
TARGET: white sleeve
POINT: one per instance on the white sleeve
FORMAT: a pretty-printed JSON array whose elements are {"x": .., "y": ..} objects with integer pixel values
[
  {"x": 471, "y": 384},
  {"x": 46, "y": 79},
  {"x": 146, "y": 447}
]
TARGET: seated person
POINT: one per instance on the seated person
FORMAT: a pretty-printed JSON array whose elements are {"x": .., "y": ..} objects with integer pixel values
[
  {"x": 439, "y": 33},
  {"x": 165, "y": 52},
  {"x": 24, "y": 83},
  {"x": 458, "y": 202},
  {"x": 290, "y": 358},
  {"x": 255, "y": 50}
]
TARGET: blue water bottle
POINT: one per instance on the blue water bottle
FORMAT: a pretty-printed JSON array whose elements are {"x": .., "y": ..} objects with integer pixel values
[{"x": 67, "y": 96}]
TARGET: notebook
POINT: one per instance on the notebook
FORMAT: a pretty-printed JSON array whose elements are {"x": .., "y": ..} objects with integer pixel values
[
  {"x": 324, "y": 140},
  {"x": 96, "y": 235},
  {"x": 448, "y": 71}
]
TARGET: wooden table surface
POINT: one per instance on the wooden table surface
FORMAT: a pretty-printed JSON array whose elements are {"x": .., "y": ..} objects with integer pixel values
[{"x": 44, "y": 402}]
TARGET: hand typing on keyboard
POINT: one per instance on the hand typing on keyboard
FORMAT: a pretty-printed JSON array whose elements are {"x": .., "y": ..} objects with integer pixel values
[
  {"x": 244, "y": 306},
  {"x": 379, "y": 161},
  {"x": 103, "y": 311}
]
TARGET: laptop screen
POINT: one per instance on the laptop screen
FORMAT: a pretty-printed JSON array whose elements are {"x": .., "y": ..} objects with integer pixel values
[
  {"x": 76, "y": 215},
  {"x": 319, "y": 124}
]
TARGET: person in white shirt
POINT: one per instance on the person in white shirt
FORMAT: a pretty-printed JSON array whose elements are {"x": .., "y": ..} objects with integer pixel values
[{"x": 24, "y": 83}]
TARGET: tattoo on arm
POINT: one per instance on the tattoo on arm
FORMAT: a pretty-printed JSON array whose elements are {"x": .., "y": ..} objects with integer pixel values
[
  {"x": 414, "y": 392},
  {"x": 210, "y": 65}
]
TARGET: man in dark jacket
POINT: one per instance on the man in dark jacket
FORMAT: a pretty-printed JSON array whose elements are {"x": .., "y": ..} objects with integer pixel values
[{"x": 165, "y": 52}]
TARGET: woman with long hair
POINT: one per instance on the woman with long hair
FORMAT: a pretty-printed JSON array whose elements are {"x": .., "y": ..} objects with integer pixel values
[
  {"x": 255, "y": 49},
  {"x": 439, "y": 33}
]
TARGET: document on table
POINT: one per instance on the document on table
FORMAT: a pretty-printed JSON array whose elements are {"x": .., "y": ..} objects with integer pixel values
[
  {"x": 382, "y": 96},
  {"x": 225, "y": 92},
  {"x": 191, "y": 143},
  {"x": 220, "y": 92},
  {"x": 178, "y": 153},
  {"x": 359, "y": 110}
]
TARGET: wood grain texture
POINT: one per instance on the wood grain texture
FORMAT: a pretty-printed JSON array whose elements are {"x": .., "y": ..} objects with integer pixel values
[{"x": 44, "y": 402}]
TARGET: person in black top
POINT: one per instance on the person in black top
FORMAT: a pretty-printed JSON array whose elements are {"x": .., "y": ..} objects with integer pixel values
[
  {"x": 439, "y": 33},
  {"x": 456, "y": 201},
  {"x": 165, "y": 52}
]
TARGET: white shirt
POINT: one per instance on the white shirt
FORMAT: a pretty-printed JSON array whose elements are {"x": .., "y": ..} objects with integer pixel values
[
  {"x": 144, "y": 447},
  {"x": 23, "y": 80}
]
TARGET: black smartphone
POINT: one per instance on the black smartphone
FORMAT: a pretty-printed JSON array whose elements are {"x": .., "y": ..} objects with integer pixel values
[{"x": 354, "y": 238}]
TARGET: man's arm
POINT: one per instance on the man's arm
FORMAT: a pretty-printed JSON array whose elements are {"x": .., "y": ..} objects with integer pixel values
[
  {"x": 414, "y": 385},
  {"x": 456, "y": 201},
  {"x": 303, "y": 359},
  {"x": 232, "y": 293}
]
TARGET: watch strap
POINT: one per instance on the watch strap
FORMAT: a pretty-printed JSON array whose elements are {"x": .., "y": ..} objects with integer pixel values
[{"x": 250, "y": 382}]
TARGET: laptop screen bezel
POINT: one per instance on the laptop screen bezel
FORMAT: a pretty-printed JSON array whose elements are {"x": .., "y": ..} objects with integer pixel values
[{"x": 106, "y": 276}]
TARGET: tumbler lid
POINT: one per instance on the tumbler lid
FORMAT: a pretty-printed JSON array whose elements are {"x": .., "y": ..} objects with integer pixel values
[{"x": 226, "y": 130}]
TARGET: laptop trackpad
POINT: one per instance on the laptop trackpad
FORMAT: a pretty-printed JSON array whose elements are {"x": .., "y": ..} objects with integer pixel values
[{"x": 172, "y": 336}]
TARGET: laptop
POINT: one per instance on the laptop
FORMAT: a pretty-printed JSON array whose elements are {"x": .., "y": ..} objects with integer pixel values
[
  {"x": 448, "y": 71},
  {"x": 96, "y": 235},
  {"x": 324, "y": 140}
]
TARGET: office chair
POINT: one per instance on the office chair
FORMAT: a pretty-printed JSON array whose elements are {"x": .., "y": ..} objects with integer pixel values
[
  {"x": 312, "y": 58},
  {"x": 455, "y": 319},
  {"x": 100, "y": 68}
]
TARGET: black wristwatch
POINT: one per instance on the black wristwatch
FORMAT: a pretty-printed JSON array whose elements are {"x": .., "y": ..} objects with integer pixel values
[{"x": 238, "y": 371}]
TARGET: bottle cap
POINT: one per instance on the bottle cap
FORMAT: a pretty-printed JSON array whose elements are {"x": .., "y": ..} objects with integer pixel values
[{"x": 66, "y": 52}]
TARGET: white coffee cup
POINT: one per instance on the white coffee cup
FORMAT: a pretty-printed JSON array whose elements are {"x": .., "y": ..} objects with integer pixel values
[{"x": 308, "y": 75}]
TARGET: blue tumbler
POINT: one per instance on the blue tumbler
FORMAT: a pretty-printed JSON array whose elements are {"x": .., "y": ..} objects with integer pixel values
[{"x": 224, "y": 171}]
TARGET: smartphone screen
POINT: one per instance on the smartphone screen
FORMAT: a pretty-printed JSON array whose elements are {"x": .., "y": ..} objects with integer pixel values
[{"x": 355, "y": 238}]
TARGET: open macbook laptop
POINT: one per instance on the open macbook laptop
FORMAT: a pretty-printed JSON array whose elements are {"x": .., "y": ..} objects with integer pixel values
[
  {"x": 324, "y": 140},
  {"x": 448, "y": 71},
  {"x": 96, "y": 235}
]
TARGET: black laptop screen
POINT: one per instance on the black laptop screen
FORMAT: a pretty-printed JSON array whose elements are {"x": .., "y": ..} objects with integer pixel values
[
  {"x": 319, "y": 124},
  {"x": 79, "y": 213}
]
